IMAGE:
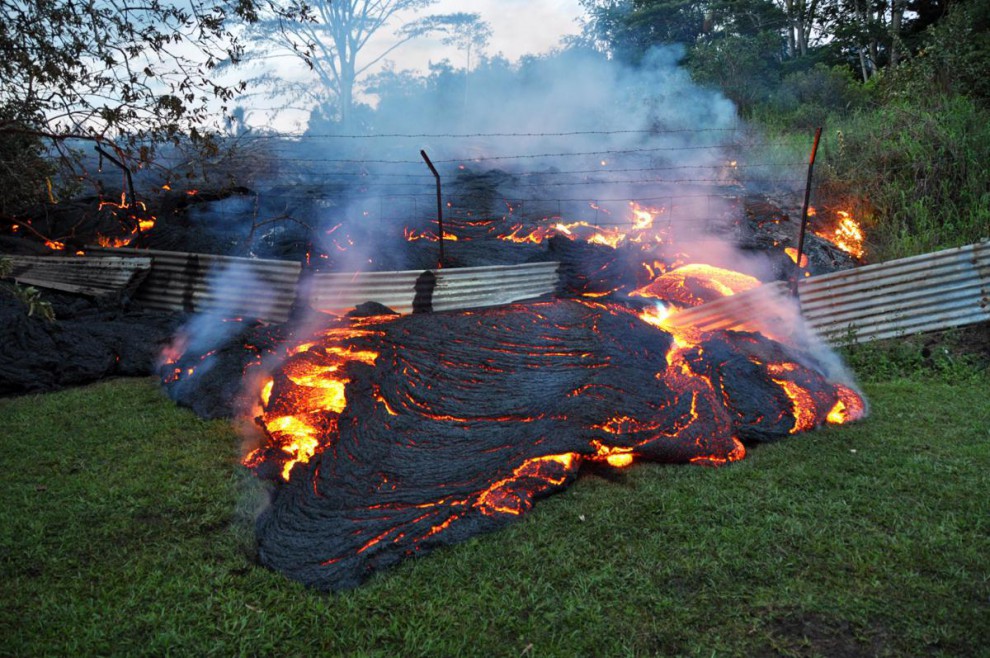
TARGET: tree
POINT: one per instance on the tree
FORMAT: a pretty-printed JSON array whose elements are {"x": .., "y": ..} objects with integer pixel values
[
  {"x": 629, "y": 28},
  {"x": 104, "y": 68},
  {"x": 335, "y": 44},
  {"x": 123, "y": 75},
  {"x": 472, "y": 34}
]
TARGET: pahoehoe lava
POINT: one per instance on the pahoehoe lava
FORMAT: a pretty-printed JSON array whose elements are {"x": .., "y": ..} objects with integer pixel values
[{"x": 454, "y": 423}]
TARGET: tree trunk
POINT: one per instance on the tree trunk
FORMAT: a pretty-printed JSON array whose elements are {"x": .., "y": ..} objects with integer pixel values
[
  {"x": 792, "y": 26},
  {"x": 896, "y": 16}
]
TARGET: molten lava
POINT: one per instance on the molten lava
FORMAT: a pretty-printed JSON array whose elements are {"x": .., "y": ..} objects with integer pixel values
[
  {"x": 389, "y": 436},
  {"x": 394, "y": 435},
  {"x": 691, "y": 285},
  {"x": 133, "y": 215}
]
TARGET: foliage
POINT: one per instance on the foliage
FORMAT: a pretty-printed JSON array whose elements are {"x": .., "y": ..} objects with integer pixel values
[
  {"x": 809, "y": 98},
  {"x": 858, "y": 540},
  {"x": 744, "y": 68},
  {"x": 954, "y": 59},
  {"x": 628, "y": 29},
  {"x": 958, "y": 356},
  {"x": 29, "y": 296},
  {"x": 25, "y": 171},
  {"x": 127, "y": 76},
  {"x": 919, "y": 172}
]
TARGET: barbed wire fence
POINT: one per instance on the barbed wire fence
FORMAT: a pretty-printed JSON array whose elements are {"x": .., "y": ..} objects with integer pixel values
[{"x": 682, "y": 174}]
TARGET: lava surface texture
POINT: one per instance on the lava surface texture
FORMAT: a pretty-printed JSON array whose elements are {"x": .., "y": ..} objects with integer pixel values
[{"x": 423, "y": 430}]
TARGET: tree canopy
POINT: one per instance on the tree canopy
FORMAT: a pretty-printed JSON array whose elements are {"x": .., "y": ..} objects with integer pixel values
[
  {"x": 749, "y": 47},
  {"x": 104, "y": 68},
  {"x": 337, "y": 43}
]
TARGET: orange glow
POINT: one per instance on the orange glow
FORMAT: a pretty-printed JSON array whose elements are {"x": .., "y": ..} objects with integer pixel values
[
  {"x": 804, "y": 407},
  {"x": 55, "y": 244},
  {"x": 614, "y": 456},
  {"x": 694, "y": 284},
  {"x": 536, "y": 236},
  {"x": 412, "y": 236},
  {"x": 113, "y": 243},
  {"x": 607, "y": 237},
  {"x": 136, "y": 218},
  {"x": 266, "y": 391},
  {"x": 314, "y": 381},
  {"x": 792, "y": 253},
  {"x": 846, "y": 234},
  {"x": 848, "y": 408},
  {"x": 619, "y": 460},
  {"x": 737, "y": 453},
  {"x": 503, "y": 498},
  {"x": 642, "y": 216},
  {"x": 655, "y": 315},
  {"x": 298, "y": 440}
]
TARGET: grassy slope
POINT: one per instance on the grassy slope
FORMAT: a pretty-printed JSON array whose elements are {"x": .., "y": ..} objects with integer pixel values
[{"x": 119, "y": 534}]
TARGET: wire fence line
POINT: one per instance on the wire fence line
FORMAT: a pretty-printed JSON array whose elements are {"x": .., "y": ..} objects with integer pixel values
[
  {"x": 396, "y": 213},
  {"x": 696, "y": 174}
]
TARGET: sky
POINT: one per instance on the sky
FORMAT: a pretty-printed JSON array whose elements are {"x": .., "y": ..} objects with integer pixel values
[{"x": 519, "y": 27}]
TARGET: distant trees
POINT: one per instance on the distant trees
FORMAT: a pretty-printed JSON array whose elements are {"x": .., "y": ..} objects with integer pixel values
[
  {"x": 96, "y": 68},
  {"x": 337, "y": 43},
  {"x": 749, "y": 47}
]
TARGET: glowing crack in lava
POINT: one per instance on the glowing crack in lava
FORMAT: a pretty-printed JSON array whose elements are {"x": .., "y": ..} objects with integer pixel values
[{"x": 390, "y": 437}]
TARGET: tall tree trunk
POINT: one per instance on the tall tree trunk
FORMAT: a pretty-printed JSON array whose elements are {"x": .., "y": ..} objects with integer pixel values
[
  {"x": 864, "y": 68},
  {"x": 896, "y": 16},
  {"x": 792, "y": 26}
]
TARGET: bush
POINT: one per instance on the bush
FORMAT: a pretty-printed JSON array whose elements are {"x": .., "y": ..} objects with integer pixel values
[
  {"x": 807, "y": 99},
  {"x": 919, "y": 168},
  {"x": 954, "y": 60}
]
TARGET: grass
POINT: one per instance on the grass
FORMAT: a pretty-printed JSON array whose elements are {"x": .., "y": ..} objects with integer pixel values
[
  {"x": 911, "y": 171},
  {"x": 124, "y": 531}
]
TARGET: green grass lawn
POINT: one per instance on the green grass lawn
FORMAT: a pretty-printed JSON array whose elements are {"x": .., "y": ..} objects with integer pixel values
[{"x": 125, "y": 529}]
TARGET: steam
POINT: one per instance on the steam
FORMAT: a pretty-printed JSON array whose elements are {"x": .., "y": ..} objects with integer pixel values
[
  {"x": 573, "y": 136},
  {"x": 233, "y": 290}
]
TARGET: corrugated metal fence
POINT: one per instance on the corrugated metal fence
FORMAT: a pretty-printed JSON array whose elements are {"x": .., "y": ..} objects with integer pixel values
[
  {"x": 268, "y": 289},
  {"x": 940, "y": 290},
  {"x": 439, "y": 290},
  {"x": 94, "y": 277},
  {"x": 181, "y": 281},
  {"x": 944, "y": 289}
]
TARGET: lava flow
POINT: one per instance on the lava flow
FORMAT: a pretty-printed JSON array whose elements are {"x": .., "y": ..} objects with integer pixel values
[{"x": 390, "y": 437}]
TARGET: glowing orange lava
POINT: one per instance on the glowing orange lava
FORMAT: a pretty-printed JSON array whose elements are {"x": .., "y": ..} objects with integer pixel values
[
  {"x": 792, "y": 254},
  {"x": 313, "y": 384},
  {"x": 846, "y": 234},
  {"x": 694, "y": 284}
]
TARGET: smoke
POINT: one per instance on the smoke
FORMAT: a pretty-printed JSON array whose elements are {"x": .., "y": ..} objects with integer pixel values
[
  {"x": 572, "y": 136},
  {"x": 234, "y": 295}
]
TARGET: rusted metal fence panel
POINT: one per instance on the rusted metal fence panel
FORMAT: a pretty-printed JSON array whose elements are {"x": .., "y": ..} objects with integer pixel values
[
  {"x": 439, "y": 290},
  {"x": 94, "y": 277},
  {"x": 268, "y": 289},
  {"x": 233, "y": 287}
]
